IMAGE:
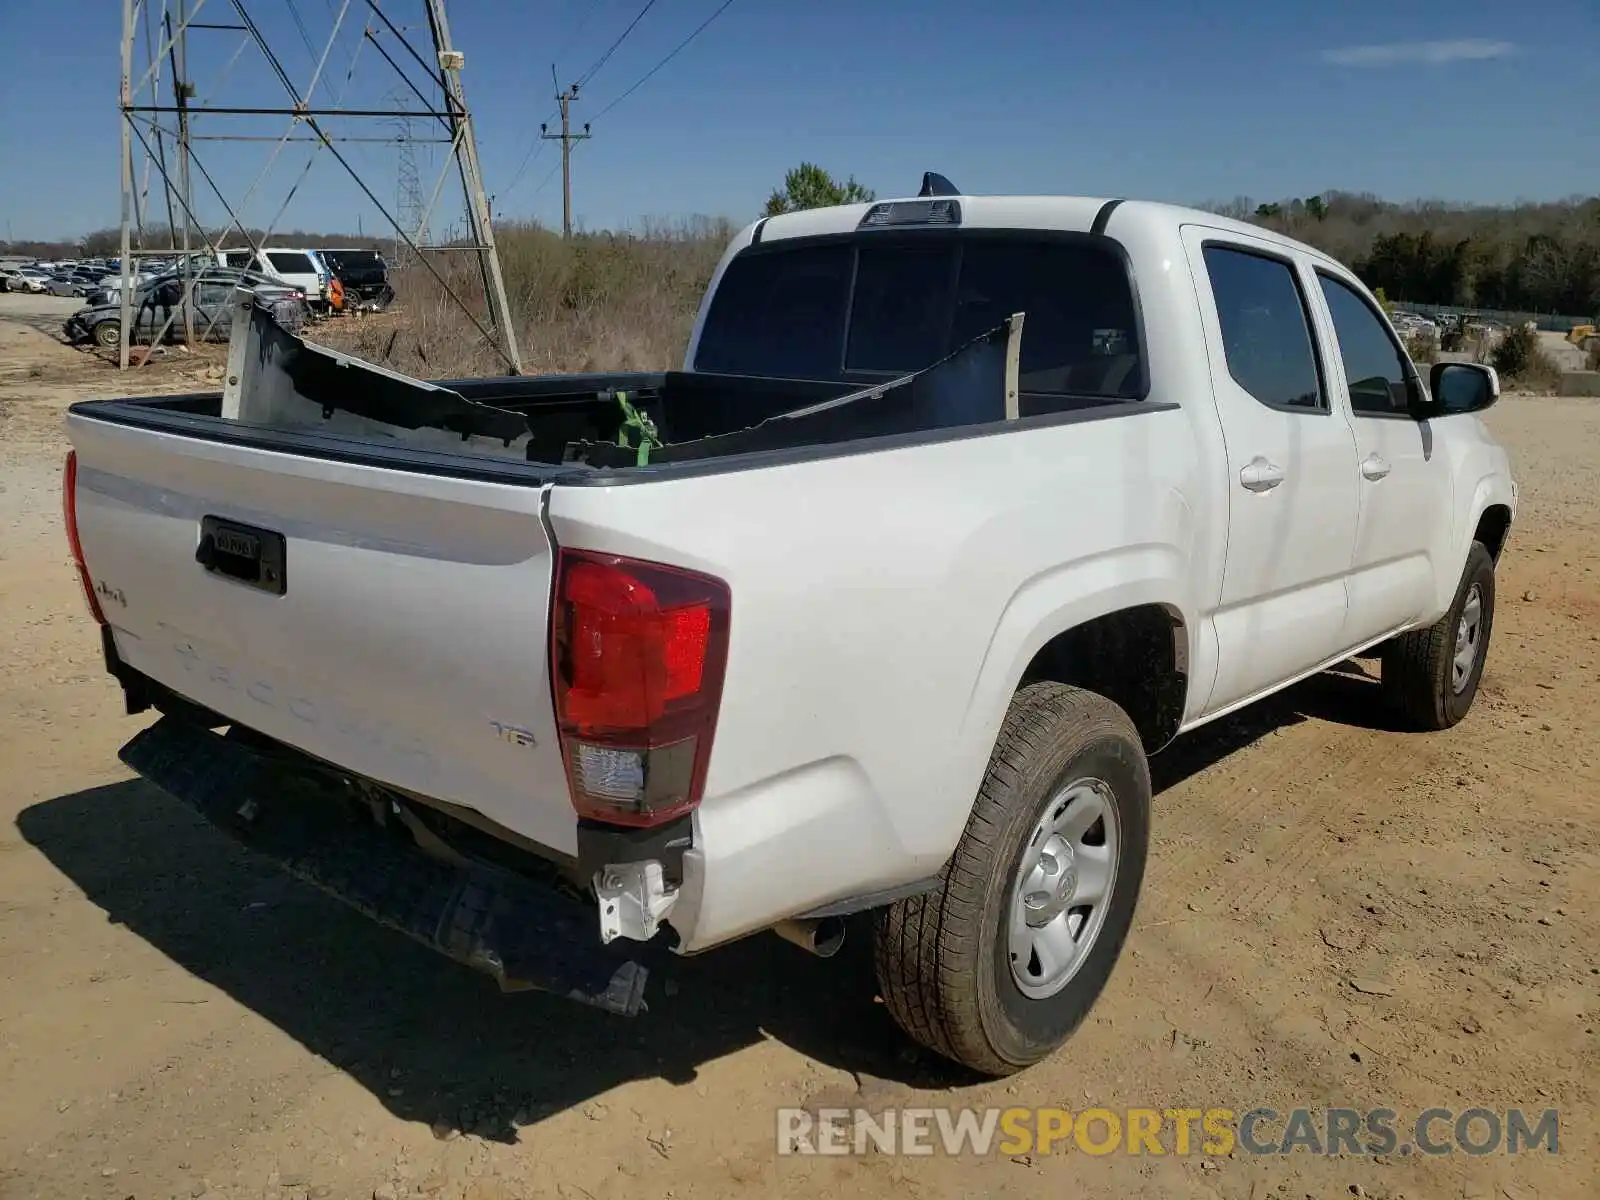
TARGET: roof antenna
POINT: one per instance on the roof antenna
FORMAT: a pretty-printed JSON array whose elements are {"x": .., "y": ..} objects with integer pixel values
[{"x": 935, "y": 184}]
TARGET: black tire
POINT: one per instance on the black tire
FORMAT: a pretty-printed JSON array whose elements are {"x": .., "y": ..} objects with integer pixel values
[
  {"x": 943, "y": 958},
  {"x": 1419, "y": 667},
  {"x": 108, "y": 335}
]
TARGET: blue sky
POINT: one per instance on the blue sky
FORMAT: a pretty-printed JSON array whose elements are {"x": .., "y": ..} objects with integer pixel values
[{"x": 1462, "y": 100}]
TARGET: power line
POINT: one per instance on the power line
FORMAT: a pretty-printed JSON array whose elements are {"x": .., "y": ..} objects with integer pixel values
[
  {"x": 548, "y": 176},
  {"x": 612, "y": 49},
  {"x": 673, "y": 53},
  {"x": 531, "y": 157},
  {"x": 305, "y": 37},
  {"x": 583, "y": 20}
]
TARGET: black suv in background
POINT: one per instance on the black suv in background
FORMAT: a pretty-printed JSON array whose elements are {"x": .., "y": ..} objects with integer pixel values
[{"x": 365, "y": 277}]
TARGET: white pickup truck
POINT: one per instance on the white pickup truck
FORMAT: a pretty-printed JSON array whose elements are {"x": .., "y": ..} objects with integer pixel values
[{"x": 961, "y": 508}]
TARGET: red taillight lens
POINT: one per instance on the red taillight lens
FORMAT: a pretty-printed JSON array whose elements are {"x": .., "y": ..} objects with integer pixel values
[
  {"x": 637, "y": 656},
  {"x": 69, "y": 514}
]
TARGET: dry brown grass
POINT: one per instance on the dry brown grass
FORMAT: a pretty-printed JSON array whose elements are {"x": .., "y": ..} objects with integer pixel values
[{"x": 600, "y": 302}]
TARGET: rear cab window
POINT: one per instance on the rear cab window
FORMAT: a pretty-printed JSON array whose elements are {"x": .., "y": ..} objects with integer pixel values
[{"x": 884, "y": 304}]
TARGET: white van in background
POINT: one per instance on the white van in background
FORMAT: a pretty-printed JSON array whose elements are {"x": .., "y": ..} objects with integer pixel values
[{"x": 296, "y": 266}]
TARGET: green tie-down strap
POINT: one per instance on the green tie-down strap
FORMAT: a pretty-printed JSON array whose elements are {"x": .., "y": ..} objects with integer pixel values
[{"x": 632, "y": 418}]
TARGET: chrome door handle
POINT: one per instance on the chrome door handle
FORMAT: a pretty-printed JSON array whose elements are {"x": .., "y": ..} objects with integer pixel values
[
  {"x": 1374, "y": 467},
  {"x": 1260, "y": 474}
]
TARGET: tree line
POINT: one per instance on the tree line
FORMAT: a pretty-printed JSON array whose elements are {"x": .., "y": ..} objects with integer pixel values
[
  {"x": 1531, "y": 257},
  {"x": 107, "y": 243},
  {"x": 1534, "y": 257}
]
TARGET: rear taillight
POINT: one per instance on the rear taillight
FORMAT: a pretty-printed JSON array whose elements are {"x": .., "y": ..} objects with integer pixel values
[
  {"x": 69, "y": 513},
  {"x": 637, "y": 655}
]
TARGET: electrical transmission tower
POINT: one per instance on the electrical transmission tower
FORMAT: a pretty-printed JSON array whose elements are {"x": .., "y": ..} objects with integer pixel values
[
  {"x": 408, "y": 207},
  {"x": 161, "y": 108}
]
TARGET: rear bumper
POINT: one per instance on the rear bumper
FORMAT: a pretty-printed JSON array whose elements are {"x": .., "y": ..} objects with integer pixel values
[
  {"x": 528, "y": 936},
  {"x": 734, "y": 860}
]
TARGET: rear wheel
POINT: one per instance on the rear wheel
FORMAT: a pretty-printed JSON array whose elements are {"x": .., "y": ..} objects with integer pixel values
[
  {"x": 1431, "y": 675},
  {"x": 997, "y": 967}
]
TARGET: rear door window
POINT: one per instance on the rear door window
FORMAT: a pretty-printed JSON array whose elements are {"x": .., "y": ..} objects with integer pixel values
[
  {"x": 287, "y": 262},
  {"x": 1266, "y": 329}
]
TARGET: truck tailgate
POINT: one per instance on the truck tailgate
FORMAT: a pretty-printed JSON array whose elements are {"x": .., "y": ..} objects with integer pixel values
[{"x": 403, "y": 636}]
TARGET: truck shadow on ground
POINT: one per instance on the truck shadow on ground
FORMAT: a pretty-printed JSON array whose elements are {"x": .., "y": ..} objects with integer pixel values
[{"x": 439, "y": 1044}]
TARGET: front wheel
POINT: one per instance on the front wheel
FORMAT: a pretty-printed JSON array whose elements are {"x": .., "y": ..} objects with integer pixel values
[
  {"x": 1431, "y": 675},
  {"x": 999, "y": 965},
  {"x": 108, "y": 335}
]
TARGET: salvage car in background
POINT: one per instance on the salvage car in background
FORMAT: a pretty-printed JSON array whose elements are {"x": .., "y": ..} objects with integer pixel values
[{"x": 163, "y": 297}]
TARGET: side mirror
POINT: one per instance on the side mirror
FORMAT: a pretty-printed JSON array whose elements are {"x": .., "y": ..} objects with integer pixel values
[{"x": 1462, "y": 388}]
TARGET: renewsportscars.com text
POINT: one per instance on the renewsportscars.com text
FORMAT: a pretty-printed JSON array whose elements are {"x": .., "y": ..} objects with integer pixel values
[{"x": 1261, "y": 1130}]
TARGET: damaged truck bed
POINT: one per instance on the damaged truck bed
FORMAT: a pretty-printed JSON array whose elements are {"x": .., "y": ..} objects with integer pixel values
[{"x": 279, "y": 380}]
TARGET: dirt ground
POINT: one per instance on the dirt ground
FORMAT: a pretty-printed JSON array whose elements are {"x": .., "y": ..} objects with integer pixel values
[{"x": 1336, "y": 914}]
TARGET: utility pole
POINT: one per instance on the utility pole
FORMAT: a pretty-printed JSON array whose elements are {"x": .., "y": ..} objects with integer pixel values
[
  {"x": 183, "y": 91},
  {"x": 566, "y": 137},
  {"x": 125, "y": 263},
  {"x": 451, "y": 61}
]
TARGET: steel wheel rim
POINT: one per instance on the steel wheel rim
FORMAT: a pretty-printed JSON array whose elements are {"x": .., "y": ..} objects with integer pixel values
[
  {"x": 1469, "y": 635},
  {"x": 1063, "y": 888}
]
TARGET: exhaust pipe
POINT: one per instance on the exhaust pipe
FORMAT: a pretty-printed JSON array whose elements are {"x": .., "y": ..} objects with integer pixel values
[{"x": 821, "y": 937}]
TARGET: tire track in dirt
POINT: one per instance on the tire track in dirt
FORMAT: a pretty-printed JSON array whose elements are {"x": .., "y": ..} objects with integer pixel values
[{"x": 1226, "y": 814}]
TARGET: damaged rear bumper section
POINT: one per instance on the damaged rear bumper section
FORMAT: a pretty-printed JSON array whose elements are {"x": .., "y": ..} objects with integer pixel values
[{"x": 528, "y": 936}]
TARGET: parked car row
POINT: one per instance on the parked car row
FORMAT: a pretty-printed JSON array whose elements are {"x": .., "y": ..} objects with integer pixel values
[
  {"x": 163, "y": 305},
  {"x": 301, "y": 284},
  {"x": 1412, "y": 326},
  {"x": 57, "y": 278},
  {"x": 333, "y": 280}
]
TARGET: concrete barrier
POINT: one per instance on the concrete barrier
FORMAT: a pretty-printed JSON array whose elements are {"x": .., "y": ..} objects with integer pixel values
[{"x": 1579, "y": 383}]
